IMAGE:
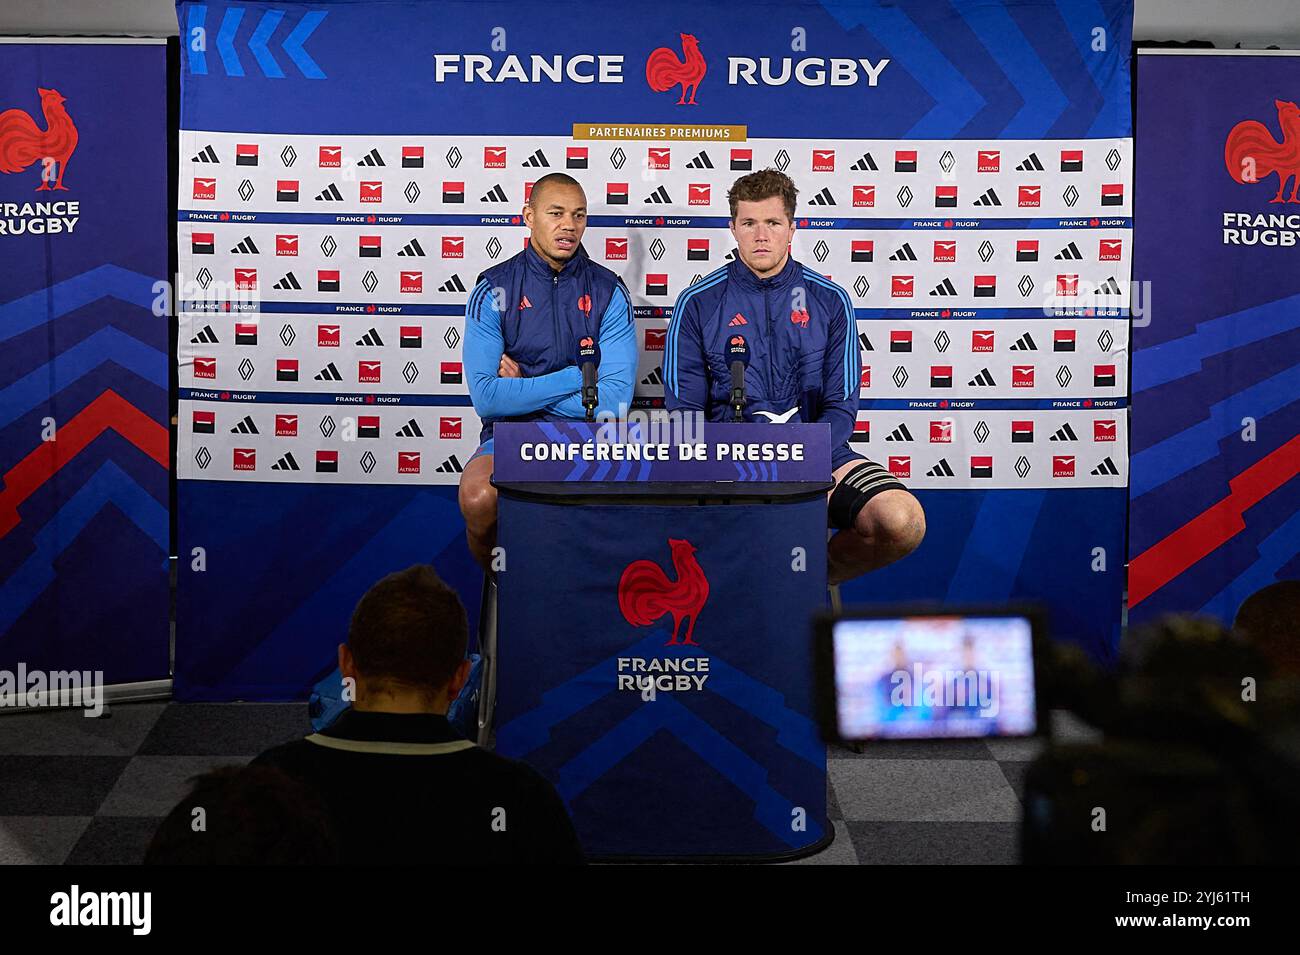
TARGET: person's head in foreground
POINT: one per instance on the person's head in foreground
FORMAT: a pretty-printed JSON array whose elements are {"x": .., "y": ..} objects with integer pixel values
[
  {"x": 406, "y": 644},
  {"x": 1183, "y": 672},
  {"x": 762, "y": 219},
  {"x": 1269, "y": 620}
]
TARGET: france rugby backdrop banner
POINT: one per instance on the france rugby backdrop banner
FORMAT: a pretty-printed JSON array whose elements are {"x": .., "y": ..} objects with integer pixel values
[
  {"x": 347, "y": 171},
  {"x": 84, "y": 361},
  {"x": 1216, "y": 370}
]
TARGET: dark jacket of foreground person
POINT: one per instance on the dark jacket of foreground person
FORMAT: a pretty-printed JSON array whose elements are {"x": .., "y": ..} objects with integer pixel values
[{"x": 408, "y": 789}]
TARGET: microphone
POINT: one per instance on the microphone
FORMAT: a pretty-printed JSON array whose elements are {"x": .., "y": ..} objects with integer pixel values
[
  {"x": 588, "y": 359},
  {"x": 738, "y": 359}
]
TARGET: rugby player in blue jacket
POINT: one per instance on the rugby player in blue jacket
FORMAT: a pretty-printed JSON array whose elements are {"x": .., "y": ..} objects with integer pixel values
[
  {"x": 804, "y": 366},
  {"x": 523, "y": 323}
]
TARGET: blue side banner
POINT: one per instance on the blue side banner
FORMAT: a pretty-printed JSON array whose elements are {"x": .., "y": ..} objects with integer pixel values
[
  {"x": 1215, "y": 510},
  {"x": 83, "y": 358}
]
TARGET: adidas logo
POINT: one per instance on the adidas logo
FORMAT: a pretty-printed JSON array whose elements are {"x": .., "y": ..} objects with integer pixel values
[
  {"x": 865, "y": 163},
  {"x": 737, "y": 320},
  {"x": 1024, "y": 343},
  {"x": 942, "y": 469},
  {"x": 453, "y": 284},
  {"x": 450, "y": 466},
  {"x": 287, "y": 283},
  {"x": 1071, "y": 251},
  {"x": 1108, "y": 287},
  {"x": 865, "y": 342},
  {"x": 537, "y": 160},
  {"x": 1032, "y": 164},
  {"x": 660, "y": 195},
  {"x": 412, "y": 248},
  {"x": 944, "y": 288},
  {"x": 246, "y": 247},
  {"x": 983, "y": 380},
  {"x": 823, "y": 198},
  {"x": 655, "y": 377},
  {"x": 371, "y": 339},
  {"x": 328, "y": 373},
  {"x": 371, "y": 158},
  {"x": 1064, "y": 433},
  {"x": 206, "y": 337},
  {"x": 286, "y": 463},
  {"x": 1107, "y": 466},
  {"x": 330, "y": 194},
  {"x": 246, "y": 425},
  {"x": 701, "y": 161},
  {"x": 207, "y": 154},
  {"x": 899, "y": 434},
  {"x": 990, "y": 198},
  {"x": 905, "y": 254},
  {"x": 411, "y": 430},
  {"x": 495, "y": 194}
]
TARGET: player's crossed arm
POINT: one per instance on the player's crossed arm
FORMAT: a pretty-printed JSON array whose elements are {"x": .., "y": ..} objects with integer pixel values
[{"x": 496, "y": 395}]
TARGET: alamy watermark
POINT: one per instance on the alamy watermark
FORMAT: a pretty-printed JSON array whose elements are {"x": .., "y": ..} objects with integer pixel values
[
  {"x": 922, "y": 686},
  {"x": 53, "y": 688},
  {"x": 627, "y": 425},
  {"x": 74, "y": 907}
]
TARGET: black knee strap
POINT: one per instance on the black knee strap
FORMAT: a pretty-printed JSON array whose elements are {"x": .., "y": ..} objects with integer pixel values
[{"x": 860, "y": 485}]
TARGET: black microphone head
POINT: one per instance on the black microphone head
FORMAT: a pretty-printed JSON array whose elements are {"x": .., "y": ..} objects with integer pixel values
[
  {"x": 737, "y": 349},
  {"x": 588, "y": 350}
]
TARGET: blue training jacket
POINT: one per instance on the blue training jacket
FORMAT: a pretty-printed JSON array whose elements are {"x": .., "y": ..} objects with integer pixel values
[
  {"x": 803, "y": 348},
  {"x": 525, "y": 309}
]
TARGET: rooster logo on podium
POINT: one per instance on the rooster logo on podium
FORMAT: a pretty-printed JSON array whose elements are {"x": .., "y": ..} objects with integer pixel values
[
  {"x": 23, "y": 143},
  {"x": 663, "y": 70},
  {"x": 645, "y": 593}
]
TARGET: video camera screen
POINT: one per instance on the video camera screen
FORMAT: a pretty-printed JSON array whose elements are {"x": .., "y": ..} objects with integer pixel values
[{"x": 932, "y": 676}]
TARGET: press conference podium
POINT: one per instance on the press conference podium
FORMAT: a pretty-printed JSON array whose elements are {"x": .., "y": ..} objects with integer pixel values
[{"x": 652, "y": 654}]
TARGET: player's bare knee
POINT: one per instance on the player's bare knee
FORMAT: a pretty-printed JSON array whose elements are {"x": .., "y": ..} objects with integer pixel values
[
  {"x": 484, "y": 506},
  {"x": 478, "y": 500},
  {"x": 893, "y": 519}
]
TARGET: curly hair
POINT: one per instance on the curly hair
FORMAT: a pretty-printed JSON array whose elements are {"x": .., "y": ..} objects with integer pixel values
[{"x": 761, "y": 185}]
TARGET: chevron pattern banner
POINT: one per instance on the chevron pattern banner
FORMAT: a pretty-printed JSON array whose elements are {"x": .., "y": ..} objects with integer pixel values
[
  {"x": 1215, "y": 510},
  {"x": 83, "y": 358},
  {"x": 965, "y": 172}
]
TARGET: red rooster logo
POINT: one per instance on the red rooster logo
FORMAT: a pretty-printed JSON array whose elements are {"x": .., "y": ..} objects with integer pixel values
[
  {"x": 22, "y": 142},
  {"x": 1251, "y": 153},
  {"x": 663, "y": 70},
  {"x": 645, "y": 593}
]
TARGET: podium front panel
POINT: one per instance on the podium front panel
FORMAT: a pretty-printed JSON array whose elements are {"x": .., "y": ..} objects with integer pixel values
[{"x": 656, "y": 666}]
